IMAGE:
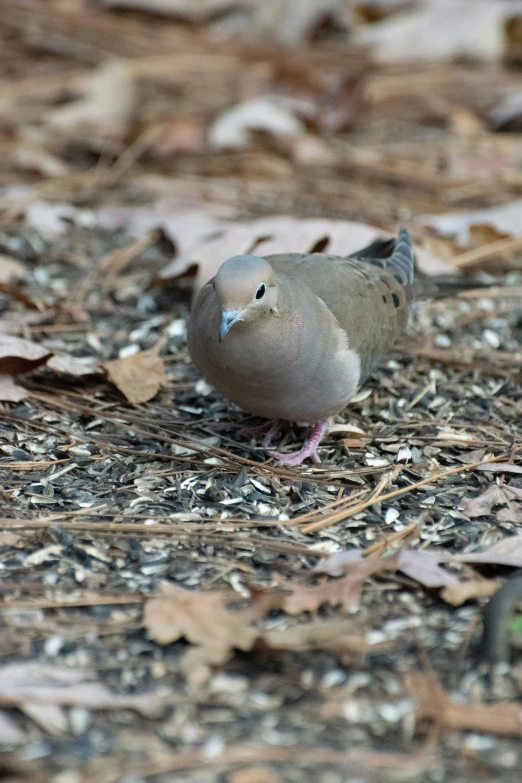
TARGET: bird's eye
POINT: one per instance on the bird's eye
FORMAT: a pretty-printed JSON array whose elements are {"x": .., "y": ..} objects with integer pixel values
[{"x": 261, "y": 291}]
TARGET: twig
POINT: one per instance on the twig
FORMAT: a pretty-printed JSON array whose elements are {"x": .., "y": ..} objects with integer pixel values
[
  {"x": 393, "y": 538},
  {"x": 333, "y": 518},
  {"x": 486, "y": 252}
]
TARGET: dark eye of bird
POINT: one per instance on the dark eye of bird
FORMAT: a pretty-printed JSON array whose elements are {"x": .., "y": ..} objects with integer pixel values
[{"x": 261, "y": 291}]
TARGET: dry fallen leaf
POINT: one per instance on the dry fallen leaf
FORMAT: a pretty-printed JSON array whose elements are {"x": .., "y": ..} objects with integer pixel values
[
  {"x": 107, "y": 103},
  {"x": 337, "y": 636},
  {"x": 420, "y": 565},
  {"x": 10, "y": 270},
  {"x": 507, "y": 551},
  {"x": 264, "y": 237},
  {"x": 457, "y": 594},
  {"x": 140, "y": 376},
  {"x": 435, "y": 704},
  {"x": 50, "y": 219},
  {"x": 205, "y": 620},
  {"x": 495, "y": 495},
  {"x": 31, "y": 683},
  {"x": 273, "y": 114},
  {"x": 423, "y": 566},
  {"x": 505, "y": 220},
  {"x": 200, "y": 617},
  {"x": 69, "y": 365},
  {"x": 10, "y": 391},
  {"x": 344, "y": 592},
  {"x": 440, "y": 30},
  {"x": 18, "y": 355}
]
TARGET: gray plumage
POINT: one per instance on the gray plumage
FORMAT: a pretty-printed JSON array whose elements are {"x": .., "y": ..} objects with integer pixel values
[{"x": 301, "y": 332}]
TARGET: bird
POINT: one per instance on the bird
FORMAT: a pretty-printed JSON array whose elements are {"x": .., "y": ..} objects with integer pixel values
[{"x": 291, "y": 337}]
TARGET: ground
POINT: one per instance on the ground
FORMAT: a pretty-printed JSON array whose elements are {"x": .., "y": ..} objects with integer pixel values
[{"x": 105, "y": 501}]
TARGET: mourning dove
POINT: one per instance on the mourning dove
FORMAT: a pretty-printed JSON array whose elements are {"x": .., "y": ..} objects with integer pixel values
[{"x": 291, "y": 337}]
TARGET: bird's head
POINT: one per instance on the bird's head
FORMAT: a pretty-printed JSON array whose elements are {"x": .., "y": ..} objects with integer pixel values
[{"x": 246, "y": 290}]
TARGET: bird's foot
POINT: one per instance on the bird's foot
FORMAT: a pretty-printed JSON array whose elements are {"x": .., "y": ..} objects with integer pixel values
[
  {"x": 309, "y": 449},
  {"x": 269, "y": 429}
]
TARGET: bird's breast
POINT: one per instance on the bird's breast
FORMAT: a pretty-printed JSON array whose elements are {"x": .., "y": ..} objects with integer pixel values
[{"x": 287, "y": 372}]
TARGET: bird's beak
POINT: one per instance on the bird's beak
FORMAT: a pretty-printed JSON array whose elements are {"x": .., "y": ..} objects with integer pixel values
[{"x": 228, "y": 319}]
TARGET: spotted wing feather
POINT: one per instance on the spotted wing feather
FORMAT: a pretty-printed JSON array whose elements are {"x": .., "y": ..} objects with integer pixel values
[{"x": 369, "y": 293}]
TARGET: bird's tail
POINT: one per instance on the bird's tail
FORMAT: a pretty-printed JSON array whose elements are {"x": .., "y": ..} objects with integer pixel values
[{"x": 395, "y": 255}]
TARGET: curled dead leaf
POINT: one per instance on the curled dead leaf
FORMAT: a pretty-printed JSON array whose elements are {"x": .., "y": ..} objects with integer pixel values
[
  {"x": 495, "y": 495},
  {"x": 267, "y": 236},
  {"x": 18, "y": 355},
  {"x": 344, "y": 592},
  {"x": 140, "y": 376},
  {"x": 215, "y": 629},
  {"x": 507, "y": 551},
  {"x": 460, "y": 592}
]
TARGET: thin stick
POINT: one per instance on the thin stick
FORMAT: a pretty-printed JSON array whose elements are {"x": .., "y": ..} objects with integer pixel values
[
  {"x": 313, "y": 528},
  {"x": 387, "y": 541},
  {"x": 486, "y": 252}
]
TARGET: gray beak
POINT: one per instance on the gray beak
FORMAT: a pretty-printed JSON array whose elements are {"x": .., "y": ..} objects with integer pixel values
[{"x": 228, "y": 319}]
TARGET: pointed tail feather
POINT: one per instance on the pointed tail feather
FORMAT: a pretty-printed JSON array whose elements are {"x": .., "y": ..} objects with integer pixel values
[{"x": 396, "y": 256}]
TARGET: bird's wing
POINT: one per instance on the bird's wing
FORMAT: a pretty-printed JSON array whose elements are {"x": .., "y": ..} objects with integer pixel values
[{"x": 368, "y": 293}]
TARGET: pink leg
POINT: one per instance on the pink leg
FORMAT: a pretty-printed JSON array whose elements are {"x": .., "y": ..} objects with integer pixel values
[
  {"x": 309, "y": 448},
  {"x": 269, "y": 429}
]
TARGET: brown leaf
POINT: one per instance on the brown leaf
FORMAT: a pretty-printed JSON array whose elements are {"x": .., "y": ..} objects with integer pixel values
[
  {"x": 334, "y": 635},
  {"x": 418, "y": 564},
  {"x": 197, "y": 616},
  {"x": 504, "y": 219},
  {"x": 205, "y": 241},
  {"x": 344, "y": 592},
  {"x": 267, "y": 235},
  {"x": 18, "y": 355},
  {"x": 507, "y": 551},
  {"x": 435, "y": 704},
  {"x": 460, "y": 592},
  {"x": 494, "y": 495},
  {"x": 140, "y": 376},
  {"x": 107, "y": 103},
  {"x": 10, "y": 391},
  {"x": 423, "y": 566},
  {"x": 11, "y": 269},
  {"x": 32, "y": 683},
  {"x": 203, "y": 619}
]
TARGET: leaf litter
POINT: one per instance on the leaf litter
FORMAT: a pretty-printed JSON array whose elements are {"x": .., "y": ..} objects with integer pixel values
[
  {"x": 139, "y": 376},
  {"x": 102, "y": 502},
  {"x": 206, "y": 620}
]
